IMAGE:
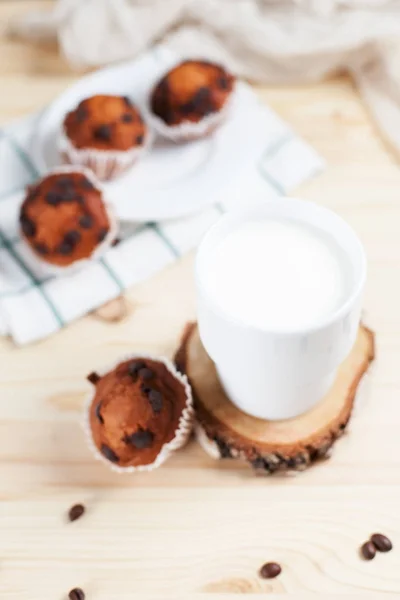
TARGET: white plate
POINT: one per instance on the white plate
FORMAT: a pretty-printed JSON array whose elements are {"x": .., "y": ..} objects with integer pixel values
[{"x": 172, "y": 180}]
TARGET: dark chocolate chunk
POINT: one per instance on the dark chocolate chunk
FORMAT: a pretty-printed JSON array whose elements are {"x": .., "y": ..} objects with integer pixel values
[
  {"x": 109, "y": 454},
  {"x": 127, "y": 118},
  {"x": 223, "y": 82},
  {"x": 134, "y": 367},
  {"x": 81, "y": 114},
  {"x": 155, "y": 399},
  {"x": 270, "y": 570},
  {"x": 75, "y": 512},
  {"x": 72, "y": 237},
  {"x": 102, "y": 234},
  {"x": 98, "y": 414},
  {"x": 76, "y": 594},
  {"x": 127, "y": 101},
  {"x": 65, "y": 248},
  {"x": 93, "y": 377},
  {"x": 381, "y": 542},
  {"x": 142, "y": 438},
  {"x": 368, "y": 550},
  {"x": 139, "y": 140},
  {"x": 202, "y": 101},
  {"x": 53, "y": 198},
  {"x": 146, "y": 374},
  {"x": 103, "y": 133},
  {"x": 41, "y": 248},
  {"x": 86, "y": 184},
  {"x": 67, "y": 195},
  {"x": 28, "y": 227},
  {"x": 86, "y": 221}
]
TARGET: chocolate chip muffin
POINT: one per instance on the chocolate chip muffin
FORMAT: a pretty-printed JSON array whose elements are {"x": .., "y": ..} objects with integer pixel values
[
  {"x": 105, "y": 133},
  {"x": 140, "y": 411},
  {"x": 191, "y": 92},
  {"x": 64, "y": 218}
]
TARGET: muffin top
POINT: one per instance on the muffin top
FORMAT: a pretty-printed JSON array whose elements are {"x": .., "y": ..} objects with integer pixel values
[
  {"x": 63, "y": 218},
  {"x": 105, "y": 123},
  {"x": 135, "y": 411},
  {"x": 190, "y": 91}
]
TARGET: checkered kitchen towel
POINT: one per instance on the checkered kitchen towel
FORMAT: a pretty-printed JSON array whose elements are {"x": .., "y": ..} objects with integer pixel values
[{"x": 33, "y": 307}]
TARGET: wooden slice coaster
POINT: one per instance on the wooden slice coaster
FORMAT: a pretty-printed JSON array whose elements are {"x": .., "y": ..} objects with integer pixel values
[{"x": 227, "y": 432}]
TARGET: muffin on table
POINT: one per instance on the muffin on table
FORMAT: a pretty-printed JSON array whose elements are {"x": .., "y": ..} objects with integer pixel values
[
  {"x": 64, "y": 219},
  {"x": 191, "y": 99},
  {"x": 104, "y": 133},
  {"x": 139, "y": 413}
]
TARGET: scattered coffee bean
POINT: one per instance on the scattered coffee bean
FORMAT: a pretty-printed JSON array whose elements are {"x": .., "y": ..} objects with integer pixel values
[
  {"x": 52, "y": 198},
  {"x": 86, "y": 221},
  {"x": 142, "y": 438},
  {"x": 64, "y": 248},
  {"x": 109, "y": 454},
  {"x": 76, "y": 594},
  {"x": 127, "y": 118},
  {"x": 381, "y": 542},
  {"x": 127, "y": 101},
  {"x": 102, "y": 234},
  {"x": 139, "y": 140},
  {"x": 155, "y": 399},
  {"x": 41, "y": 248},
  {"x": 368, "y": 551},
  {"x": 135, "y": 366},
  {"x": 72, "y": 237},
  {"x": 93, "y": 377},
  {"x": 75, "y": 512},
  {"x": 146, "y": 374},
  {"x": 86, "y": 184},
  {"x": 103, "y": 133},
  {"x": 270, "y": 570},
  {"x": 98, "y": 414},
  {"x": 28, "y": 227}
]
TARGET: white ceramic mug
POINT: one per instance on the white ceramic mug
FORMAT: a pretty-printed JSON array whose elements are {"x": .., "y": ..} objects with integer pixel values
[{"x": 272, "y": 374}]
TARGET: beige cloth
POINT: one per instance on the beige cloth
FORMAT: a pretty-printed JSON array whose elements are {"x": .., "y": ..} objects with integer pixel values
[{"x": 269, "y": 41}]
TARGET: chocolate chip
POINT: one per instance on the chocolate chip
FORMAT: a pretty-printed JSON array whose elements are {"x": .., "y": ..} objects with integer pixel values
[
  {"x": 103, "y": 133},
  {"x": 134, "y": 367},
  {"x": 81, "y": 114},
  {"x": 86, "y": 221},
  {"x": 76, "y": 594},
  {"x": 202, "y": 101},
  {"x": 53, "y": 198},
  {"x": 64, "y": 248},
  {"x": 155, "y": 399},
  {"x": 93, "y": 377},
  {"x": 223, "y": 82},
  {"x": 368, "y": 550},
  {"x": 28, "y": 227},
  {"x": 127, "y": 101},
  {"x": 142, "y": 438},
  {"x": 146, "y": 374},
  {"x": 381, "y": 542},
  {"x": 98, "y": 414},
  {"x": 67, "y": 195},
  {"x": 41, "y": 248},
  {"x": 75, "y": 512},
  {"x": 270, "y": 570},
  {"x": 139, "y": 140},
  {"x": 102, "y": 234},
  {"x": 109, "y": 454},
  {"x": 127, "y": 118},
  {"x": 86, "y": 184},
  {"x": 72, "y": 237}
]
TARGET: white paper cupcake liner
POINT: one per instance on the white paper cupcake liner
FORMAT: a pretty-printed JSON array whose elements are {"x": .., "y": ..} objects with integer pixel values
[
  {"x": 105, "y": 164},
  {"x": 182, "y": 433},
  {"x": 188, "y": 130},
  {"x": 208, "y": 445},
  {"x": 51, "y": 269}
]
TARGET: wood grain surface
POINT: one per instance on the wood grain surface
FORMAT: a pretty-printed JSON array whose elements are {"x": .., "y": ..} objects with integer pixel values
[{"x": 196, "y": 528}]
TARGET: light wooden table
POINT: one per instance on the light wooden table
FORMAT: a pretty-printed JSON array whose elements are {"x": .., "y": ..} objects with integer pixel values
[{"x": 196, "y": 527}]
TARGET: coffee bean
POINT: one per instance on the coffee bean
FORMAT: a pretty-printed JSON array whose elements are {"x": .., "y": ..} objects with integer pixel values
[
  {"x": 93, "y": 377},
  {"x": 109, "y": 454},
  {"x": 72, "y": 237},
  {"x": 41, "y": 248},
  {"x": 28, "y": 227},
  {"x": 86, "y": 184},
  {"x": 127, "y": 101},
  {"x": 135, "y": 366},
  {"x": 381, "y": 542},
  {"x": 103, "y": 133},
  {"x": 97, "y": 413},
  {"x": 75, "y": 512},
  {"x": 368, "y": 551},
  {"x": 53, "y": 198},
  {"x": 102, "y": 234},
  {"x": 155, "y": 399},
  {"x": 127, "y": 118},
  {"x": 146, "y": 374},
  {"x": 270, "y": 570},
  {"x": 76, "y": 594},
  {"x": 142, "y": 438},
  {"x": 65, "y": 249},
  {"x": 139, "y": 140},
  {"x": 86, "y": 221}
]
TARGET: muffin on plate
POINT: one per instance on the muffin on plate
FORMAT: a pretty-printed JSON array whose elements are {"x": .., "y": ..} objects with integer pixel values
[
  {"x": 191, "y": 100},
  {"x": 139, "y": 413},
  {"x": 104, "y": 133},
  {"x": 65, "y": 220}
]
